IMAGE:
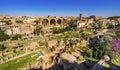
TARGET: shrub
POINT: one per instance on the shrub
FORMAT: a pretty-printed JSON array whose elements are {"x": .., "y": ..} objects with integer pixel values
[
  {"x": 37, "y": 31},
  {"x": 15, "y": 37},
  {"x": 2, "y": 47},
  {"x": 104, "y": 26},
  {"x": 14, "y": 51},
  {"x": 19, "y": 21}
]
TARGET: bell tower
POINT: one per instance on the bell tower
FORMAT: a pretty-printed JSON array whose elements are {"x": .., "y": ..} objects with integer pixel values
[{"x": 80, "y": 17}]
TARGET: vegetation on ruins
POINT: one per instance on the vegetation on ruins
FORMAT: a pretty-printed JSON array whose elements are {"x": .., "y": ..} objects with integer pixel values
[
  {"x": 71, "y": 27},
  {"x": 104, "y": 26},
  {"x": 8, "y": 22},
  {"x": 69, "y": 40},
  {"x": 67, "y": 35},
  {"x": 110, "y": 25},
  {"x": 36, "y": 21},
  {"x": 38, "y": 30},
  {"x": 16, "y": 36},
  {"x": 19, "y": 21}
]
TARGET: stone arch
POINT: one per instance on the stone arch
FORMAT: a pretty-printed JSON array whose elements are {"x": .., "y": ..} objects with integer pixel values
[
  {"x": 45, "y": 22},
  {"x": 59, "y": 21},
  {"x": 52, "y": 22}
]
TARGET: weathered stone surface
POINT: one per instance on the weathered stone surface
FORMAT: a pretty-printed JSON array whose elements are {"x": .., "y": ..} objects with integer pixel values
[{"x": 69, "y": 57}]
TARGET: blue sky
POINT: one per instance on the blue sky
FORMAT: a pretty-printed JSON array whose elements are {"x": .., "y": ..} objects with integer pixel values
[{"x": 60, "y": 7}]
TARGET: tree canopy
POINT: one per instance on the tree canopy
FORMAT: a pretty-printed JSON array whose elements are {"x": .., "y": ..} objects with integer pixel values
[
  {"x": 3, "y": 36},
  {"x": 19, "y": 21},
  {"x": 113, "y": 17},
  {"x": 8, "y": 22}
]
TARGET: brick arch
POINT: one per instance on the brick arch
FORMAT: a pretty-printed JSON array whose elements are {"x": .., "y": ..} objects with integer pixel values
[
  {"x": 52, "y": 22},
  {"x": 59, "y": 21},
  {"x": 45, "y": 21}
]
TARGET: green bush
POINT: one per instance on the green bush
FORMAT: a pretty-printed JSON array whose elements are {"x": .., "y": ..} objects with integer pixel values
[
  {"x": 8, "y": 22},
  {"x": 2, "y": 47},
  {"x": 14, "y": 51},
  {"x": 104, "y": 26},
  {"x": 15, "y": 37},
  {"x": 88, "y": 53},
  {"x": 19, "y": 21},
  {"x": 3, "y": 36},
  {"x": 98, "y": 51},
  {"x": 37, "y": 31},
  {"x": 101, "y": 49}
]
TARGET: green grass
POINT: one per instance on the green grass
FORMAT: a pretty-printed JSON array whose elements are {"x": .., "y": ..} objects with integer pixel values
[
  {"x": 58, "y": 37},
  {"x": 79, "y": 61},
  {"x": 67, "y": 35},
  {"x": 71, "y": 35},
  {"x": 2, "y": 57},
  {"x": 91, "y": 59},
  {"x": 9, "y": 55},
  {"x": 20, "y": 52},
  {"x": 19, "y": 63},
  {"x": 116, "y": 61},
  {"x": 89, "y": 31}
]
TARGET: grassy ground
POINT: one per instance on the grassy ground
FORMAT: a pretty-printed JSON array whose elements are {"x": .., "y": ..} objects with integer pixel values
[
  {"x": 9, "y": 55},
  {"x": 18, "y": 64},
  {"x": 67, "y": 35}
]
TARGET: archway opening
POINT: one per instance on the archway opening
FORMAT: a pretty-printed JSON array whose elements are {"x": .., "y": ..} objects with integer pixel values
[
  {"x": 45, "y": 22},
  {"x": 52, "y": 22},
  {"x": 59, "y": 21}
]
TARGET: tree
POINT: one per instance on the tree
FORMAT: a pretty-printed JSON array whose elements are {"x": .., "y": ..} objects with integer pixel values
[
  {"x": 113, "y": 17},
  {"x": 102, "y": 48},
  {"x": 19, "y": 21},
  {"x": 72, "y": 24},
  {"x": 3, "y": 36},
  {"x": 8, "y": 22},
  {"x": 37, "y": 21}
]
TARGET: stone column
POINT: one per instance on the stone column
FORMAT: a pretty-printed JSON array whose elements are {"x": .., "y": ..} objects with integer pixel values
[
  {"x": 55, "y": 22},
  {"x": 62, "y": 23},
  {"x": 48, "y": 22}
]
